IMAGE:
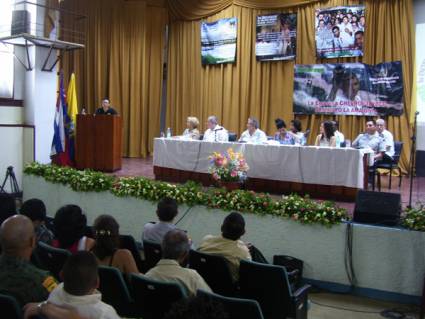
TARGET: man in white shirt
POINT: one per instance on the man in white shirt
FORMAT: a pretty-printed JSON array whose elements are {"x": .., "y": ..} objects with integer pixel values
[
  {"x": 341, "y": 40},
  {"x": 388, "y": 139},
  {"x": 215, "y": 132},
  {"x": 78, "y": 292},
  {"x": 253, "y": 134}
]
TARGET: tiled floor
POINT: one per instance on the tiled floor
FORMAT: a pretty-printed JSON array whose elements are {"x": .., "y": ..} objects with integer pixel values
[{"x": 143, "y": 167}]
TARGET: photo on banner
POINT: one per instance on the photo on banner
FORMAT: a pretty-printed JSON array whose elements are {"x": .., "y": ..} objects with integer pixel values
[
  {"x": 340, "y": 32},
  {"x": 218, "y": 41},
  {"x": 349, "y": 89},
  {"x": 276, "y": 37}
]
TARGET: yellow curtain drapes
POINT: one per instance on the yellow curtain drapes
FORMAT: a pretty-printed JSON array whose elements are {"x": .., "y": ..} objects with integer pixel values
[
  {"x": 122, "y": 60},
  {"x": 246, "y": 88},
  {"x": 198, "y": 9}
]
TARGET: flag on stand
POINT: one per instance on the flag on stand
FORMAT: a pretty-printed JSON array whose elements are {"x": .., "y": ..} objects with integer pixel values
[
  {"x": 71, "y": 99},
  {"x": 60, "y": 144}
]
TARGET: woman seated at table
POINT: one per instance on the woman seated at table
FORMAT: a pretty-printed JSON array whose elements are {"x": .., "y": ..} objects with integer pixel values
[
  {"x": 326, "y": 136},
  {"x": 106, "y": 248},
  {"x": 282, "y": 136},
  {"x": 192, "y": 131},
  {"x": 295, "y": 131}
]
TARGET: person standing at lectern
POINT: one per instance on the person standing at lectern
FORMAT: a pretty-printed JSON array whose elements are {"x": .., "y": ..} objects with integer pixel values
[{"x": 106, "y": 109}]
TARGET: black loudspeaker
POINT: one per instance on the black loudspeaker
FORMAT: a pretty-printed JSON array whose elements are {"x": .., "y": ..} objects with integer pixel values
[
  {"x": 21, "y": 22},
  {"x": 377, "y": 208}
]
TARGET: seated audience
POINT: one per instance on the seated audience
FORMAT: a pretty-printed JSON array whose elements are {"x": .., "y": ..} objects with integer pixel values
[
  {"x": 339, "y": 137},
  {"x": 18, "y": 277},
  {"x": 106, "y": 248},
  {"x": 192, "y": 131},
  {"x": 196, "y": 308},
  {"x": 326, "y": 136},
  {"x": 78, "y": 291},
  {"x": 282, "y": 136},
  {"x": 215, "y": 132},
  {"x": 7, "y": 206},
  {"x": 388, "y": 141},
  {"x": 166, "y": 211},
  {"x": 228, "y": 244},
  {"x": 253, "y": 134},
  {"x": 35, "y": 210},
  {"x": 70, "y": 226},
  {"x": 371, "y": 140},
  {"x": 175, "y": 251},
  {"x": 295, "y": 131}
]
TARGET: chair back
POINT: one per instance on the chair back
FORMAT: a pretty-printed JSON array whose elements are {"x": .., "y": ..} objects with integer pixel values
[
  {"x": 234, "y": 307},
  {"x": 398, "y": 147},
  {"x": 9, "y": 307},
  {"x": 128, "y": 242},
  {"x": 232, "y": 137},
  {"x": 114, "y": 290},
  {"x": 215, "y": 271},
  {"x": 154, "y": 298},
  {"x": 267, "y": 284},
  {"x": 51, "y": 258},
  {"x": 153, "y": 253}
]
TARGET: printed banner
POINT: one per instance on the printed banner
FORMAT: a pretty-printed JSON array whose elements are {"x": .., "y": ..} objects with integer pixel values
[
  {"x": 340, "y": 32},
  {"x": 349, "y": 89},
  {"x": 276, "y": 37},
  {"x": 218, "y": 41}
]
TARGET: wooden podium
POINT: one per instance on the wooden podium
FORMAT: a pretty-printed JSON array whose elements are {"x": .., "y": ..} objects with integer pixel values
[{"x": 98, "y": 142}]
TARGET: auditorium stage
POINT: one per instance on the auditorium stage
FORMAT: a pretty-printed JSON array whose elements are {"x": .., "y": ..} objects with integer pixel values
[{"x": 144, "y": 167}]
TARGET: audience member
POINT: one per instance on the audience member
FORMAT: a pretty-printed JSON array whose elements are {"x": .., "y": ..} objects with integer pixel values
[
  {"x": 215, "y": 132},
  {"x": 35, "y": 210},
  {"x": 7, "y": 206},
  {"x": 196, "y": 308},
  {"x": 326, "y": 136},
  {"x": 18, "y": 277},
  {"x": 175, "y": 250},
  {"x": 78, "y": 291},
  {"x": 49, "y": 311},
  {"x": 228, "y": 244},
  {"x": 388, "y": 140},
  {"x": 253, "y": 134},
  {"x": 106, "y": 248},
  {"x": 70, "y": 228},
  {"x": 192, "y": 131},
  {"x": 166, "y": 211},
  {"x": 282, "y": 136},
  {"x": 371, "y": 140}
]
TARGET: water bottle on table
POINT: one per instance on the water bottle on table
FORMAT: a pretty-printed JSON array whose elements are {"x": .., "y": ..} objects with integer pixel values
[{"x": 168, "y": 133}]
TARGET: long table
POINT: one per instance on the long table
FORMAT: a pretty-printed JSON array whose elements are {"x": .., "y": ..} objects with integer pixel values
[{"x": 319, "y": 171}]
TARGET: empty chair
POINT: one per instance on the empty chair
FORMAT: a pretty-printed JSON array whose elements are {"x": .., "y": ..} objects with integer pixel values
[
  {"x": 398, "y": 147},
  {"x": 269, "y": 285},
  {"x": 233, "y": 137},
  {"x": 51, "y": 258},
  {"x": 115, "y": 291},
  {"x": 215, "y": 271},
  {"x": 235, "y": 307},
  {"x": 128, "y": 242},
  {"x": 154, "y": 298},
  {"x": 9, "y": 307},
  {"x": 153, "y": 253}
]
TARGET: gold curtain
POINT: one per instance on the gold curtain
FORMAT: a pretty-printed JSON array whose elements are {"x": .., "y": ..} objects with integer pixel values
[
  {"x": 122, "y": 60},
  {"x": 246, "y": 88},
  {"x": 198, "y": 9}
]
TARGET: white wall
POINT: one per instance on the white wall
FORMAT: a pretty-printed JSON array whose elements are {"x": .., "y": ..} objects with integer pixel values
[{"x": 419, "y": 12}]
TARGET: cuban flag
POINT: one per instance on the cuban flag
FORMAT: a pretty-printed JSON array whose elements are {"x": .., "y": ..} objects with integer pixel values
[{"x": 59, "y": 153}]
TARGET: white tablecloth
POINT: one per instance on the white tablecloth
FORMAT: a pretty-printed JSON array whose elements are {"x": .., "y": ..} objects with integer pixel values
[{"x": 301, "y": 164}]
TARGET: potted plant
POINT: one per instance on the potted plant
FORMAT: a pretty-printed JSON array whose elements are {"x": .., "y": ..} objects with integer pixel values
[{"x": 228, "y": 169}]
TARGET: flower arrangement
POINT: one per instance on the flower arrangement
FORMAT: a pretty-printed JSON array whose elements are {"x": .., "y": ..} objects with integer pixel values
[
  {"x": 295, "y": 207},
  {"x": 229, "y": 166},
  {"x": 415, "y": 218}
]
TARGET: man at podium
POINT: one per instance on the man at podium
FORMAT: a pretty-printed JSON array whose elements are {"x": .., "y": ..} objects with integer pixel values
[{"x": 106, "y": 109}]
